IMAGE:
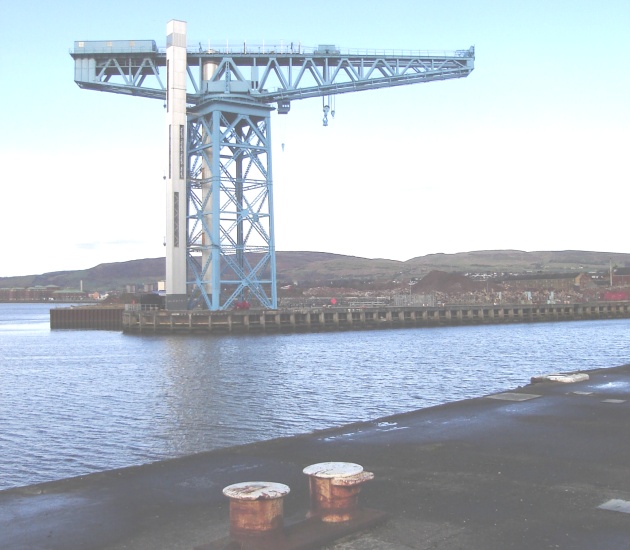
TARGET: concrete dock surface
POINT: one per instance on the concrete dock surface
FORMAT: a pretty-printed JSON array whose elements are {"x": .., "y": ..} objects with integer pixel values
[{"x": 546, "y": 465}]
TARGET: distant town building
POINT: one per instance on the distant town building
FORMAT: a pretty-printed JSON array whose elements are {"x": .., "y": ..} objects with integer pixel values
[
  {"x": 49, "y": 293},
  {"x": 549, "y": 281},
  {"x": 621, "y": 277}
]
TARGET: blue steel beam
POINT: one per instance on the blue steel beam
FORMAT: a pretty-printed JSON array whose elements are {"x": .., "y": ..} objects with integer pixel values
[
  {"x": 275, "y": 76},
  {"x": 230, "y": 218}
]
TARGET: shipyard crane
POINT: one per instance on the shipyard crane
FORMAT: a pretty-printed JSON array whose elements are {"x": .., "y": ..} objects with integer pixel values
[{"x": 220, "y": 247}]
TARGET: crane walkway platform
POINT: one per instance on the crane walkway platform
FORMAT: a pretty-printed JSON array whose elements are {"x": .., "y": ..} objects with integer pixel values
[{"x": 546, "y": 465}]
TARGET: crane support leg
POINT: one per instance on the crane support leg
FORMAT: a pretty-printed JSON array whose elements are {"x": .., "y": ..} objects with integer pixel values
[
  {"x": 231, "y": 251},
  {"x": 176, "y": 295}
]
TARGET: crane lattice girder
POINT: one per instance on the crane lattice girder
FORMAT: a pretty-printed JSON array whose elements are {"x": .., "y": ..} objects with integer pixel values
[
  {"x": 273, "y": 77},
  {"x": 218, "y": 106}
]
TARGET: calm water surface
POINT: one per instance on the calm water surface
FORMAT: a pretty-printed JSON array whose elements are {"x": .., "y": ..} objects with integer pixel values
[{"x": 75, "y": 402}]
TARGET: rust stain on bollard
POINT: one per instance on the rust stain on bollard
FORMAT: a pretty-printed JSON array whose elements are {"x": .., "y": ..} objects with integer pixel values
[
  {"x": 256, "y": 507},
  {"x": 256, "y": 515},
  {"x": 335, "y": 488}
]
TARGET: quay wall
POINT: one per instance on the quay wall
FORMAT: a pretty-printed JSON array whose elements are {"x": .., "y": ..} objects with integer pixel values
[
  {"x": 85, "y": 317},
  {"x": 335, "y": 319}
]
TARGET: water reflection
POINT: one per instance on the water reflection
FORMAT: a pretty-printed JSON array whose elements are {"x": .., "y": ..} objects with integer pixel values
[{"x": 72, "y": 402}]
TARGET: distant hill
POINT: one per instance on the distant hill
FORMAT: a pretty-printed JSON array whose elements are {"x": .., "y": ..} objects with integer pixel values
[
  {"x": 103, "y": 277},
  {"x": 519, "y": 261},
  {"x": 320, "y": 268}
]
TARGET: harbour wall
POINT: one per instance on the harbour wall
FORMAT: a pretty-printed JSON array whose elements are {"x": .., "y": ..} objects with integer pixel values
[
  {"x": 87, "y": 318},
  {"x": 325, "y": 319},
  {"x": 335, "y": 319}
]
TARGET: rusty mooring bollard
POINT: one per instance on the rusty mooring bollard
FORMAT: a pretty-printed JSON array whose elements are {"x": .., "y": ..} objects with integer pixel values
[
  {"x": 335, "y": 488},
  {"x": 256, "y": 508}
]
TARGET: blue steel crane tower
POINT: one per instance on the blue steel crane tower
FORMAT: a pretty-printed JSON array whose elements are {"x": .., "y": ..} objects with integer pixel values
[{"x": 220, "y": 247}]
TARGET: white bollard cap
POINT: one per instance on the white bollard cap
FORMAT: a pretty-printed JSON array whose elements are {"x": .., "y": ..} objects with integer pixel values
[
  {"x": 256, "y": 490},
  {"x": 333, "y": 469}
]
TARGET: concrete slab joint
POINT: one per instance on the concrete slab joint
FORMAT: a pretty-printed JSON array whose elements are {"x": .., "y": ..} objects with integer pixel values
[{"x": 512, "y": 396}]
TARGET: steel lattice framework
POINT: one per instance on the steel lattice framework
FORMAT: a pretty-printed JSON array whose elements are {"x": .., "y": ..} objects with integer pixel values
[
  {"x": 219, "y": 100},
  {"x": 277, "y": 75},
  {"x": 233, "y": 205}
]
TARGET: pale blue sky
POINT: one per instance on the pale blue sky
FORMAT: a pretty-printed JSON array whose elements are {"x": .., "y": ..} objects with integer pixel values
[{"x": 529, "y": 152}]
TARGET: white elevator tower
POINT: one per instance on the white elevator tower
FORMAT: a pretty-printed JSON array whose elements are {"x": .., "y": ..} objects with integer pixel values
[{"x": 176, "y": 198}]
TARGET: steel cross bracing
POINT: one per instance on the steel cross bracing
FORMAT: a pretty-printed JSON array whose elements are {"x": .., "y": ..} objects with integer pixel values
[
  {"x": 275, "y": 76},
  {"x": 224, "y": 151},
  {"x": 230, "y": 222}
]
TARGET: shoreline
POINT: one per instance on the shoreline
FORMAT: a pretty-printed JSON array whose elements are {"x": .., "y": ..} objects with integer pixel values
[{"x": 527, "y": 468}]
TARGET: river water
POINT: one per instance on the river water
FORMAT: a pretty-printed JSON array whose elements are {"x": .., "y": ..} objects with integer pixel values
[{"x": 74, "y": 402}]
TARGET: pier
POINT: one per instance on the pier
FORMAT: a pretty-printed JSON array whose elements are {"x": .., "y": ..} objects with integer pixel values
[
  {"x": 335, "y": 319},
  {"x": 134, "y": 319}
]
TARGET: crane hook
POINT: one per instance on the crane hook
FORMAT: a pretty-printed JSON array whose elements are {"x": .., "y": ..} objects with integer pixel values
[{"x": 326, "y": 110}]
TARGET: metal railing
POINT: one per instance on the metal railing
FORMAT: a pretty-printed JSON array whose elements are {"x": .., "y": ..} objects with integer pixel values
[
  {"x": 142, "y": 307},
  {"x": 297, "y": 48}
]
